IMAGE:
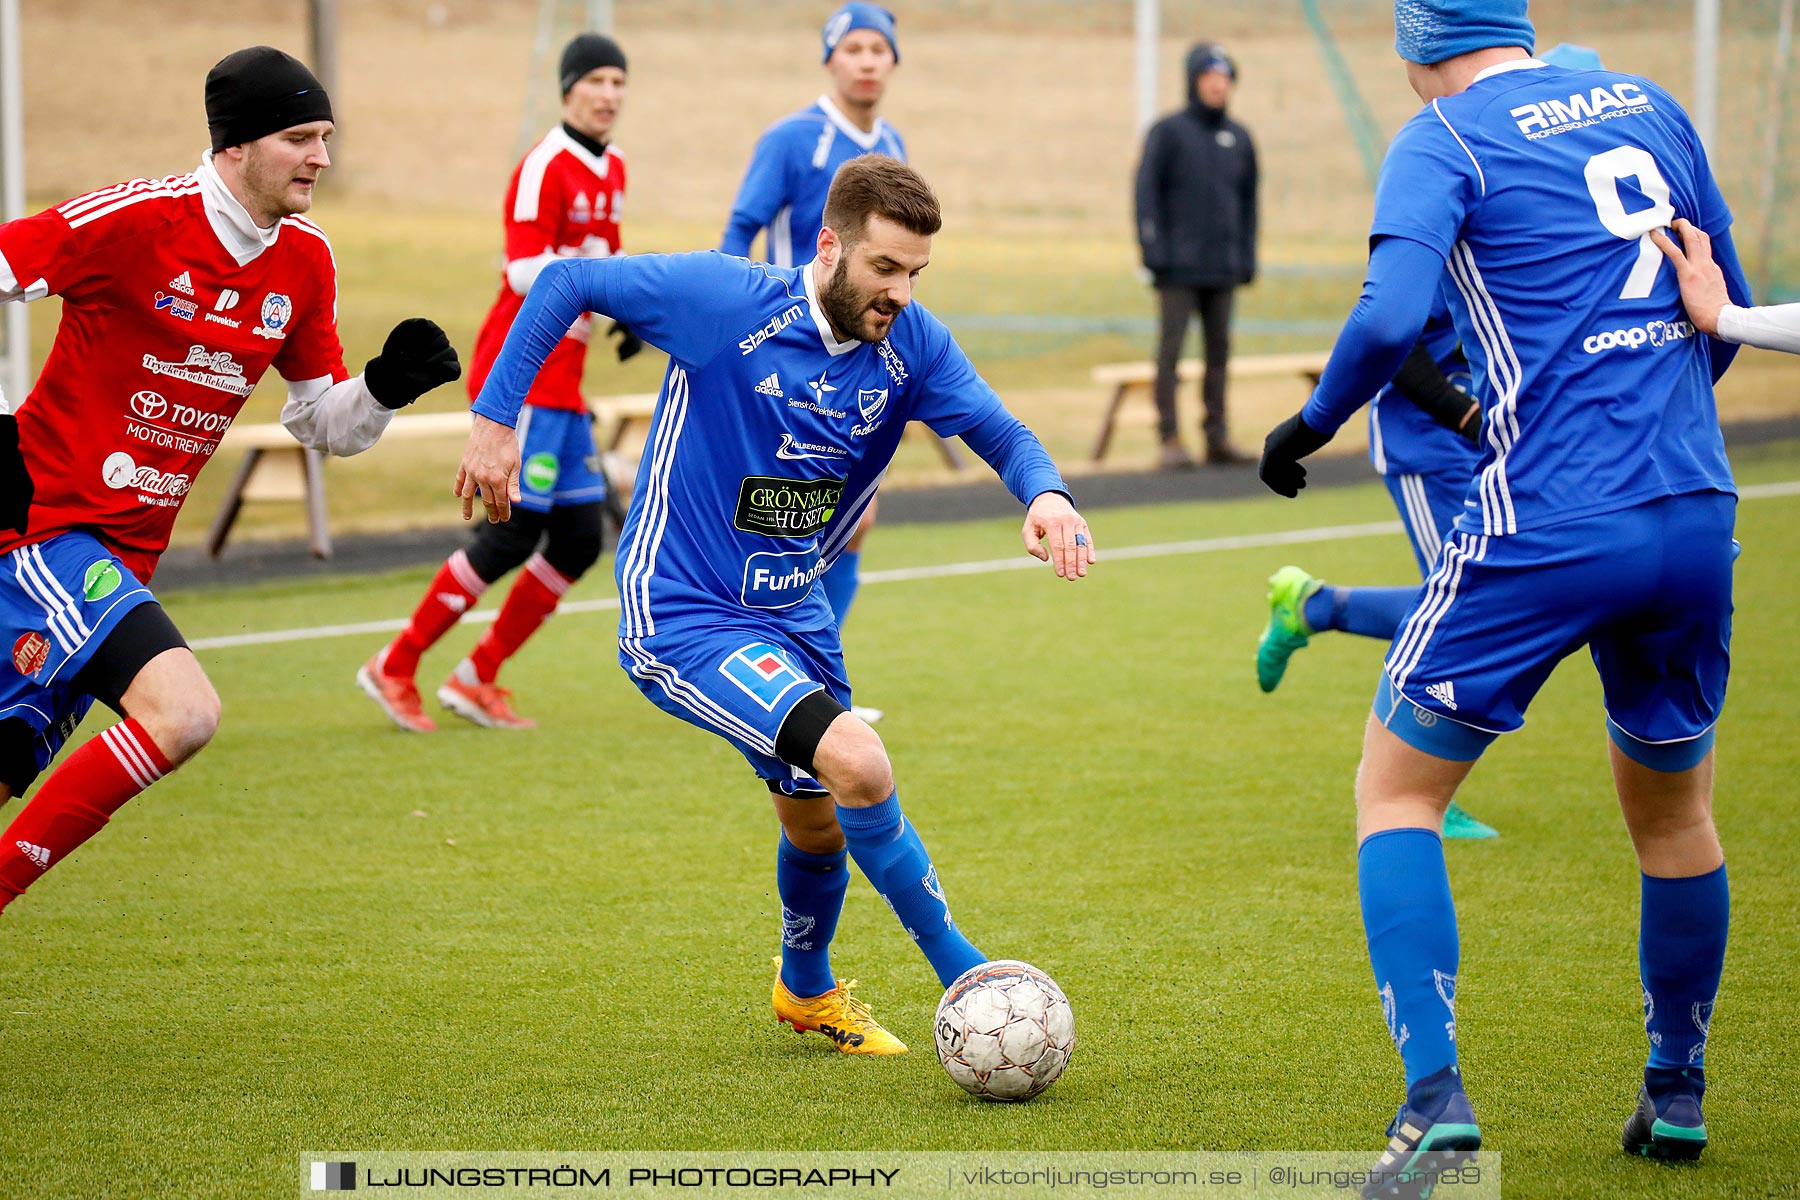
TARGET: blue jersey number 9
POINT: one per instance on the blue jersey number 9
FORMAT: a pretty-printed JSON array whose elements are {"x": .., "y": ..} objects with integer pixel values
[{"x": 1603, "y": 172}]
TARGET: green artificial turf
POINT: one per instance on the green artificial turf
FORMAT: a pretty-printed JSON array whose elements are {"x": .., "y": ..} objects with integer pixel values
[{"x": 323, "y": 932}]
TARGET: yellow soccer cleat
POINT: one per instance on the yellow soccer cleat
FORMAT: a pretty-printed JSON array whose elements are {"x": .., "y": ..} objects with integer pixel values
[{"x": 839, "y": 1016}]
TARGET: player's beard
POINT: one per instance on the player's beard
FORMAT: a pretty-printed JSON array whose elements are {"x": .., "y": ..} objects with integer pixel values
[
  {"x": 848, "y": 307},
  {"x": 269, "y": 182}
]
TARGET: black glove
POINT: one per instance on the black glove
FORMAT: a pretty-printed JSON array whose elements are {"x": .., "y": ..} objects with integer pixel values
[
  {"x": 629, "y": 342},
  {"x": 16, "y": 487},
  {"x": 415, "y": 358},
  {"x": 1286, "y": 445}
]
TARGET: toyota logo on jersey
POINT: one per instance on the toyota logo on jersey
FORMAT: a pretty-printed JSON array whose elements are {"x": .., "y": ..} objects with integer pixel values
[{"x": 149, "y": 406}]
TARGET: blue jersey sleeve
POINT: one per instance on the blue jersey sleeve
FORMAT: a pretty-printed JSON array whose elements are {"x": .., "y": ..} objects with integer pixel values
[
  {"x": 687, "y": 305},
  {"x": 1397, "y": 299},
  {"x": 765, "y": 189},
  {"x": 1429, "y": 182},
  {"x": 955, "y": 401}
]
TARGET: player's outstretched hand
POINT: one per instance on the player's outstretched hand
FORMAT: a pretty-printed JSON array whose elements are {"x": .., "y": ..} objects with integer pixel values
[
  {"x": 1702, "y": 283},
  {"x": 1286, "y": 445},
  {"x": 416, "y": 357},
  {"x": 629, "y": 342},
  {"x": 490, "y": 463},
  {"x": 16, "y": 488},
  {"x": 1055, "y": 533}
]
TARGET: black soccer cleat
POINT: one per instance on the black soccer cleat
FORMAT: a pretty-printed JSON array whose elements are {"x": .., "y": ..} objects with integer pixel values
[{"x": 1424, "y": 1147}]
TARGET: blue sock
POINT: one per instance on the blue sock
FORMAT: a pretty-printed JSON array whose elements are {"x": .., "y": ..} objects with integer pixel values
[
  {"x": 1681, "y": 953},
  {"x": 887, "y": 848},
  {"x": 840, "y": 583},
  {"x": 812, "y": 888},
  {"x": 1411, "y": 926},
  {"x": 1369, "y": 611}
]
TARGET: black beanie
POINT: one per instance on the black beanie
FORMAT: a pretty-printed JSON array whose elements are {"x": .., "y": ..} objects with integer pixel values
[
  {"x": 588, "y": 52},
  {"x": 259, "y": 91}
]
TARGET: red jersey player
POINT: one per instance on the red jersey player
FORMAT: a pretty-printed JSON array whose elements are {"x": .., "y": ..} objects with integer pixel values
[
  {"x": 178, "y": 294},
  {"x": 564, "y": 202}
]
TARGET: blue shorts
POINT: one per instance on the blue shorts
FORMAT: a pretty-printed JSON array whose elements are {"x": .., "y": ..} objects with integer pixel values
[
  {"x": 740, "y": 680},
  {"x": 1429, "y": 506},
  {"x": 558, "y": 461},
  {"x": 1647, "y": 590},
  {"x": 59, "y": 599}
]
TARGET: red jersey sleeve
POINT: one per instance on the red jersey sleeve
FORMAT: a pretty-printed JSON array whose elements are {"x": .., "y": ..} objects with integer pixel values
[
  {"x": 311, "y": 349},
  {"x": 68, "y": 250},
  {"x": 534, "y": 208}
]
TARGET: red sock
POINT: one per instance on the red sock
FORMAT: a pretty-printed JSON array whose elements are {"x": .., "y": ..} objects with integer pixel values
[
  {"x": 76, "y": 802},
  {"x": 453, "y": 591},
  {"x": 532, "y": 599}
]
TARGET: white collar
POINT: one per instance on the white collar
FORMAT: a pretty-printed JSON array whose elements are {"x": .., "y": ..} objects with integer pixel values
[
  {"x": 868, "y": 141},
  {"x": 595, "y": 163},
  {"x": 241, "y": 236},
  {"x": 832, "y": 345},
  {"x": 1511, "y": 64}
]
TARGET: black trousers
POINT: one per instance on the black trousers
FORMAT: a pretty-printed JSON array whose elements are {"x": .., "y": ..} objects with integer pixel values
[{"x": 1179, "y": 305}]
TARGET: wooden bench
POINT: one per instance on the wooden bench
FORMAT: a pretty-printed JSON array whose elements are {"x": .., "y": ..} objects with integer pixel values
[
  {"x": 276, "y": 467},
  {"x": 1126, "y": 378}
]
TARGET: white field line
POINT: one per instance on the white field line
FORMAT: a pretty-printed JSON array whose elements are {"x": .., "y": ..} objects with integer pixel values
[{"x": 1019, "y": 562}]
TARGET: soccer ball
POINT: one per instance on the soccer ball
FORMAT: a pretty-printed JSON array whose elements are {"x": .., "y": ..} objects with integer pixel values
[{"x": 1004, "y": 1030}]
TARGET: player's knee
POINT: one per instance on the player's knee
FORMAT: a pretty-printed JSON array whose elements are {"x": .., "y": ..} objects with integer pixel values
[
  {"x": 504, "y": 547},
  {"x": 182, "y": 724},
  {"x": 575, "y": 541},
  {"x": 853, "y": 763}
]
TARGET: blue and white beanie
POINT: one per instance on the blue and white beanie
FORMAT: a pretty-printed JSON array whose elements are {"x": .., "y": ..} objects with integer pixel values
[
  {"x": 858, "y": 15},
  {"x": 1430, "y": 31}
]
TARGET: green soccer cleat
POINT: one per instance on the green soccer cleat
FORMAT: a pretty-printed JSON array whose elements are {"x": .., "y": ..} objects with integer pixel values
[
  {"x": 1459, "y": 824},
  {"x": 1287, "y": 631}
]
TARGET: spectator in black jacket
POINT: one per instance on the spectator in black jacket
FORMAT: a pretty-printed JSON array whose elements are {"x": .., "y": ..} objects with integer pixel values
[{"x": 1196, "y": 215}]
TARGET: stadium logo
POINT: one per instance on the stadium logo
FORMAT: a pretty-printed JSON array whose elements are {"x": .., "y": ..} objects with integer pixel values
[
  {"x": 149, "y": 405},
  {"x": 175, "y": 306},
  {"x": 333, "y": 1177},
  {"x": 208, "y": 368},
  {"x": 790, "y": 449},
  {"x": 277, "y": 311},
  {"x": 31, "y": 652},
  {"x": 1580, "y": 111},
  {"x": 777, "y": 323},
  {"x": 872, "y": 403},
  {"x": 120, "y": 471},
  {"x": 1656, "y": 335},
  {"x": 786, "y": 507}
]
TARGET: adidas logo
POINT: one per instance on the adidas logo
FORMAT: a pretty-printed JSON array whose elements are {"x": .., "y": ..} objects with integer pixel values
[
  {"x": 770, "y": 387},
  {"x": 1444, "y": 693},
  {"x": 454, "y": 601},
  {"x": 36, "y": 854},
  {"x": 183, "y": 283}
]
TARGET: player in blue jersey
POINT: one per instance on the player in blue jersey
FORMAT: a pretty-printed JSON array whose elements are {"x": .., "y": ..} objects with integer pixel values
[
  {"x": 785, "y": 397},
  {"x": 783, "y": 192},
  {"x": 1422, "y": 434},
  {"x": 1601, "y": 514}
]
